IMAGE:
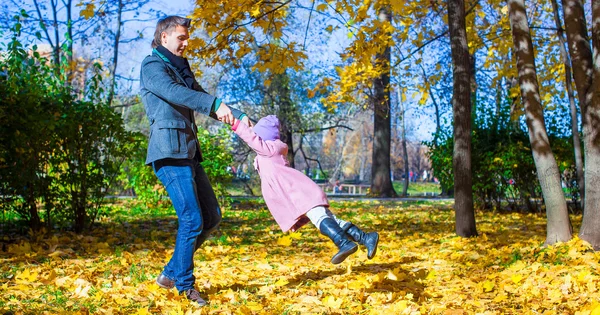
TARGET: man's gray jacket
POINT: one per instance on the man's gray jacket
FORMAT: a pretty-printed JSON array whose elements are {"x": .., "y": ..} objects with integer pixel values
[{"x": 170, "y": 104}]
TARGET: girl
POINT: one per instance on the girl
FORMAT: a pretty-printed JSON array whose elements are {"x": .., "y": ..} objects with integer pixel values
[{"x": 294, "y": 199}]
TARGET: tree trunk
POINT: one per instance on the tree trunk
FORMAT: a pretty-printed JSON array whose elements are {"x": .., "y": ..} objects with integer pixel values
[
  {"x": 381, "y": 185},
  {"x": 68, "y": 5},
  {"x": 558, "y": 225},
  {"x": 590, "y": 227},
  {"x": 279, "y": 91},
  {"x": 34, "y": 218},
  {"x": 461, "y": 108},
  {"x": 403, "y": 140},
  {"x": 113, "y": 68},
  {"x": 573, "y": 109}
]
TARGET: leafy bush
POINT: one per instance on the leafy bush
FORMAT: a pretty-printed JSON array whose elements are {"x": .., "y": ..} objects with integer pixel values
[
  {"x": 93, "y": 144},
  {"x": 502, "y": 163},
  {"x": 32, "y": 99},
  {"x": 217, "y": 159},
  {"x": 57, "y": 150},
  {"x": 139, "y": 177}
]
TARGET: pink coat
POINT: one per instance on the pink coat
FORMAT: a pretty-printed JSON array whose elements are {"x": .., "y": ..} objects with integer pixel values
[{"x": 288, "y": 193}]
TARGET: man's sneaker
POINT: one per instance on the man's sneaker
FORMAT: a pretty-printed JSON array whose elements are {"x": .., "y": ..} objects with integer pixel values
[
  {"x": 165, "y": 282},
  {"x": 194, "y": 296}
]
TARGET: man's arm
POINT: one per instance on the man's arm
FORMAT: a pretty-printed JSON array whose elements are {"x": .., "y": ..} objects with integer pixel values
[{"x": 157, "y": 80}]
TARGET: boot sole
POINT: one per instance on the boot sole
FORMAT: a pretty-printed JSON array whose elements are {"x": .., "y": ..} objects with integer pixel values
[{"x": 340, "y": 257}]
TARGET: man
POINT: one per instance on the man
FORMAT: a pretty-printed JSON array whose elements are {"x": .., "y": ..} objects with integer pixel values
[{"x": 171, "y": 95}]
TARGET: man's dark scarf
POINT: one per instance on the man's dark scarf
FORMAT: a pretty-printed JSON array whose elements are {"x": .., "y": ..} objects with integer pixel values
[{"x": 181, "y": 64}]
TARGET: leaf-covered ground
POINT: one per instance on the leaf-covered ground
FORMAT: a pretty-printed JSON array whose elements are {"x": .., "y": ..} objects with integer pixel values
[{"x": 250, "y": 267}]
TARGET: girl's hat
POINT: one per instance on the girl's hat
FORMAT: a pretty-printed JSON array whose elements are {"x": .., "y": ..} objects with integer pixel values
[{"x": 267, "y": 128}]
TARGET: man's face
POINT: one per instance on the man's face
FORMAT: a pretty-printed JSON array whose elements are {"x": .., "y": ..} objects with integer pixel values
[{"x": 177, "y": 41}]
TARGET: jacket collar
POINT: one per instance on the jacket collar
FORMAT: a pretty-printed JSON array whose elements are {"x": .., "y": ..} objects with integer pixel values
[{"x": 163, "y": 57}]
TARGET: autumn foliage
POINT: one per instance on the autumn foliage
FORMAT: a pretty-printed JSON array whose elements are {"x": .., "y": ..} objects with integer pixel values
[{"x": 251, "y": 267}]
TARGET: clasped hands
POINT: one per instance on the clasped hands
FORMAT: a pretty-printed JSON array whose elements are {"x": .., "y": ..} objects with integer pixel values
[{"x": 224, "y": 115}]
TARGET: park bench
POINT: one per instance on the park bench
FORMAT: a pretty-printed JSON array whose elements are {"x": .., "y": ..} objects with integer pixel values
[{"x": 346, "y": 188}]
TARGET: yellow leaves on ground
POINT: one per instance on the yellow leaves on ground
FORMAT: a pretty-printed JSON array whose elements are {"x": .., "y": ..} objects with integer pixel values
[
  {"x": 250, "y": 267},
  {"x": 286, "y": 240},
  {"x": 26, "y": 276}
]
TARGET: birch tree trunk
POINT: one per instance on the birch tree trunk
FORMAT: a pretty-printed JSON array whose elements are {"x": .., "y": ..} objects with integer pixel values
[
  {"x": 558, "y": 224},
  {"x": 590, "y": 227},
  {"x": 587, "y": 78},
  {"x": 573, "y": 108}
]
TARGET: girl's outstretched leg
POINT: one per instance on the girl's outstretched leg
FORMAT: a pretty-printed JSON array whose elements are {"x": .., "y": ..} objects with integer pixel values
[
  {"x": 330, "y": 228},
  {"x": 369, "y": 240}
]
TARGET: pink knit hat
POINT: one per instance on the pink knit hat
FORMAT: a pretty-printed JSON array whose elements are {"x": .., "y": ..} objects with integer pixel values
[{"x": 267, "y": 128}]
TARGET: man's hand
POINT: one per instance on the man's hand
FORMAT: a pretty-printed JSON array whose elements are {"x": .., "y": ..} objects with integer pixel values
[{"x": 224, "y": 114}]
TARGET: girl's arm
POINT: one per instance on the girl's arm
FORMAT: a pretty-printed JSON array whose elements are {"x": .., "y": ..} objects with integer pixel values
[{"x": 254, "y": 141}]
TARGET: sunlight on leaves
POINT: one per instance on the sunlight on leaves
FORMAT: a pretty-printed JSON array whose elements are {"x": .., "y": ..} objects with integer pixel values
[{"x": 421, "y": 267}]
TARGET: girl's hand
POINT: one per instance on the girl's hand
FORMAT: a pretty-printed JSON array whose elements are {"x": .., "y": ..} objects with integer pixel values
[{"x": 247, "y": 121}]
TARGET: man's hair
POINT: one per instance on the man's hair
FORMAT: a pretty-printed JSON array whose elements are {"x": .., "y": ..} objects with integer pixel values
[{"x": 167, "y": 25}]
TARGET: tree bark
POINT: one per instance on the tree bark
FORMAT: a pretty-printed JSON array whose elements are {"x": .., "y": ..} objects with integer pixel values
[
  {"x": 279, "y": 91},
  {"x": 558, "y": 224},
  {"x": 573, "y": 108},
  {"x": 381, "y": 185},
  {"x": 590, "y": 227},
  {"x": 113, "y": 68},
  {"x": 461, "y": 108},
  {"x": 403, "y": 140}
]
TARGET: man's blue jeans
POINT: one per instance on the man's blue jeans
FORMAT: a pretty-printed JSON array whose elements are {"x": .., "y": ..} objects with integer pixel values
[{"x": 197, "y": 211}]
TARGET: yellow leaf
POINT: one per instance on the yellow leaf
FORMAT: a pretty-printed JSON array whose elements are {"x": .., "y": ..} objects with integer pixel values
[
  {"x": 244, "y": 310},
  {"x": 281, "y": 282},
  {"x": 582, "y": 275},
  {"x": 88, "y": 12},
  {"x": 401, "y": 306},
  {"x": 330, "y": 301},
  {"x": 98, "y": 296},
  {"x": 431, "y": 275},
  {"x": 63, "y": 282},
  {"x": 82, "y": 291},
  {"x": 516, "y": 278},
  {"x": 230, "y": 295},
  {"x": 488, "y": 286},
  {"x": 424, "y": 98},
  {"x": 255, "y": 12},
  {"x": 322, "y": 7},
  {"x": 296, "y": 235},
  {"x": 500, "y": 297},
  {"x": 548, "y": 97},
  {"x": 395, "y": 275},
  {"x": 153, "y": 287},
  {"x": 143, "y": 311},
  {"x": 26, "y": 276},
  {"x": 284, "y": 241}
]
